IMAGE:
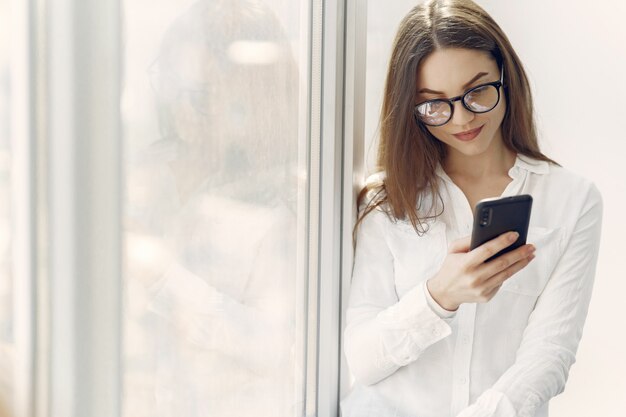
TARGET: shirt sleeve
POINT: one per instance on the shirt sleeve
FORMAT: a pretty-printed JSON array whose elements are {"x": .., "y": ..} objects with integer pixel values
[
  {"x": 447, "y": 315},
  {"x": 211, "y": 320},
  {"x": 555, "y": 327},
  {"x": 254, "y": 328},
  {"x": 384, "y": 333}
]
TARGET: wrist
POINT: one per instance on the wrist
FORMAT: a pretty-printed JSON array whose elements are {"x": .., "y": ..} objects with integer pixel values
[{"x": 438, "y": 295}]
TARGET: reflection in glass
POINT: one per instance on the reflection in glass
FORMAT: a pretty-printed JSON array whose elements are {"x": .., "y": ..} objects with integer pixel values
[{"x": 210, "y": 217}]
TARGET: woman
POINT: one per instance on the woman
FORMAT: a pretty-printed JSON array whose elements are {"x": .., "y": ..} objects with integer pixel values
[{"x": 432, "y": 330}]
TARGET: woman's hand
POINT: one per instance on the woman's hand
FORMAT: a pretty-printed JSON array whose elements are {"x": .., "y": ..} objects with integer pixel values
[{"x": 464, "y": 277}]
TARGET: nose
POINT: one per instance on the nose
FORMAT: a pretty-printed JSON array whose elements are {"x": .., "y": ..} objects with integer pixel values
[{"x": 461, "y": 115}]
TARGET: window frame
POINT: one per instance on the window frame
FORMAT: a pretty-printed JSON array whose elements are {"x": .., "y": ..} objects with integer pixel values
[
  {"x": 72, "y": 305},
  {"x": 83, "y": 237}
]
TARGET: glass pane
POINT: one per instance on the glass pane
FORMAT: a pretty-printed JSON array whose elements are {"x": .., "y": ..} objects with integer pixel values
[
  {"x": 214, "y": 225},
  {"x": 7, "y": 343}
]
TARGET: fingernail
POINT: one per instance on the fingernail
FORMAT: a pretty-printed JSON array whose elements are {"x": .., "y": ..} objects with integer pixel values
[{"x": 513, "y": 236}]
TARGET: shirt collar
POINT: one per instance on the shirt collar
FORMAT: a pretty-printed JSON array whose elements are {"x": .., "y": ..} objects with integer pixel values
[
  {"x": 531, "y": 164},
  {"x": 522, "y": 162}
]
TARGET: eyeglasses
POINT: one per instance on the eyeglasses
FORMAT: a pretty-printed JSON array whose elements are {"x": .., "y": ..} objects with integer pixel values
[
  {"x": 170, "y": 87},
  {"x": 480, "y": 99}
]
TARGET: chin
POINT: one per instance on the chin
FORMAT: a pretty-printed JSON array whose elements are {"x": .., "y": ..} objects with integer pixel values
[{"x": 471, "y": 148}]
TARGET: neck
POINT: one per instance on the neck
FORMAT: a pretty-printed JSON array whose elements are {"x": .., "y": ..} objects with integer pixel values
[{"x": 497, "y": 160}]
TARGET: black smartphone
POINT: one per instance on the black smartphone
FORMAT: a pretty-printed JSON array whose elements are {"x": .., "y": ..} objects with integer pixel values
[{"x": 494, "y": 216}]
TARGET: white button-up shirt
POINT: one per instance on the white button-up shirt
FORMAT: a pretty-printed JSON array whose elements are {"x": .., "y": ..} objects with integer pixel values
[{"x": 504, "y": 358}]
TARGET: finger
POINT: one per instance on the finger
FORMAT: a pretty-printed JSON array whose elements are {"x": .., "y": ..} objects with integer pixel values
[
  {"x": 489, "y": 295},
  {"x": 502, "y": 276},
  {"x": 502, "y": 262},
  {"x": 490, "y": 248},
  {"x": 460, "y": 245}
]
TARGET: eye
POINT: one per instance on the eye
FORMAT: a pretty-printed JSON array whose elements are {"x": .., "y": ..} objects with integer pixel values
[
  {"x": 434, "y": 112},
  {"x": 200, "y": 100},
  {"x": 482, "y": 98},
  {"x": 477, "y": 91},
  {"x": 432, "y": 108}
]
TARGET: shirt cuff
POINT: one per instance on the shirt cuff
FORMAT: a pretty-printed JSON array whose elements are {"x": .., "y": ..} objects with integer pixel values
[
  {"x": 409, "y": 327},
  {"x": 183, "y": 292},
  {"x": 440, "y": 311},
  {"x": 491, "y": 403}
]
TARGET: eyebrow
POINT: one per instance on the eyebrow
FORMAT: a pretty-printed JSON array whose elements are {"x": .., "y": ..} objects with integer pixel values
[{"x": 476, "y": 77}]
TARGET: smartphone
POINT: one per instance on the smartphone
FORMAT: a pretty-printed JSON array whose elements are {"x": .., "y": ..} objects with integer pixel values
[{"x": 494, "y": 216}]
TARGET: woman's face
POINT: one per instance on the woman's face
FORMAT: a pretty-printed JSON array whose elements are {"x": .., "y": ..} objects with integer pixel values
[{"x": 446, "y": 73}]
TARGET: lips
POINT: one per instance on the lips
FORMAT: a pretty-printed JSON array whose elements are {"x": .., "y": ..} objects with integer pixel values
[{"x": 469, "y": 135}]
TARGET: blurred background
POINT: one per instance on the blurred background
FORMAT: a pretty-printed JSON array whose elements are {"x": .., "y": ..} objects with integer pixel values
[{"x": 177, "y": 186}]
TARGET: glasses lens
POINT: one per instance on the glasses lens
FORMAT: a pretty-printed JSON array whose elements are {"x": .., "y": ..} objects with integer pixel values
[
  {"x": 200, "y": 100},
  {"x": 163, "y": 85},
  {"x": 435, "y": 112},
  {"x": 482, "y": 99}
]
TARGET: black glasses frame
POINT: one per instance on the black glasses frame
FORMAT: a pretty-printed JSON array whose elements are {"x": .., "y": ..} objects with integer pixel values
[
  {"x": 451, "y": 101},
  {"x": 195, "y": 93}
]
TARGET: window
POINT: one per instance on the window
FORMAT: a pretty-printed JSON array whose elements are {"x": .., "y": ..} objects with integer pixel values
[
  {"x": 215, "y": 217},
  {"x": 7, "y": 339}
]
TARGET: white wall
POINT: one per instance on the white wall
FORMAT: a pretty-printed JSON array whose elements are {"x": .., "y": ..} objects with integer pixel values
[{"x": 575, "y": 56}]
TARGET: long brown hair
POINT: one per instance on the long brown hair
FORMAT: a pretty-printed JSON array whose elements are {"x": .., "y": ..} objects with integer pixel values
[{"x": 408, "y": 153}]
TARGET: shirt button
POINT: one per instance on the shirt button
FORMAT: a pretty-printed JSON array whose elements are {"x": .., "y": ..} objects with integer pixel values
[
  {"x": 465, "y": 340},
  {"x": 436, "y": 332},
  {"x": 462, "y": 380}
]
